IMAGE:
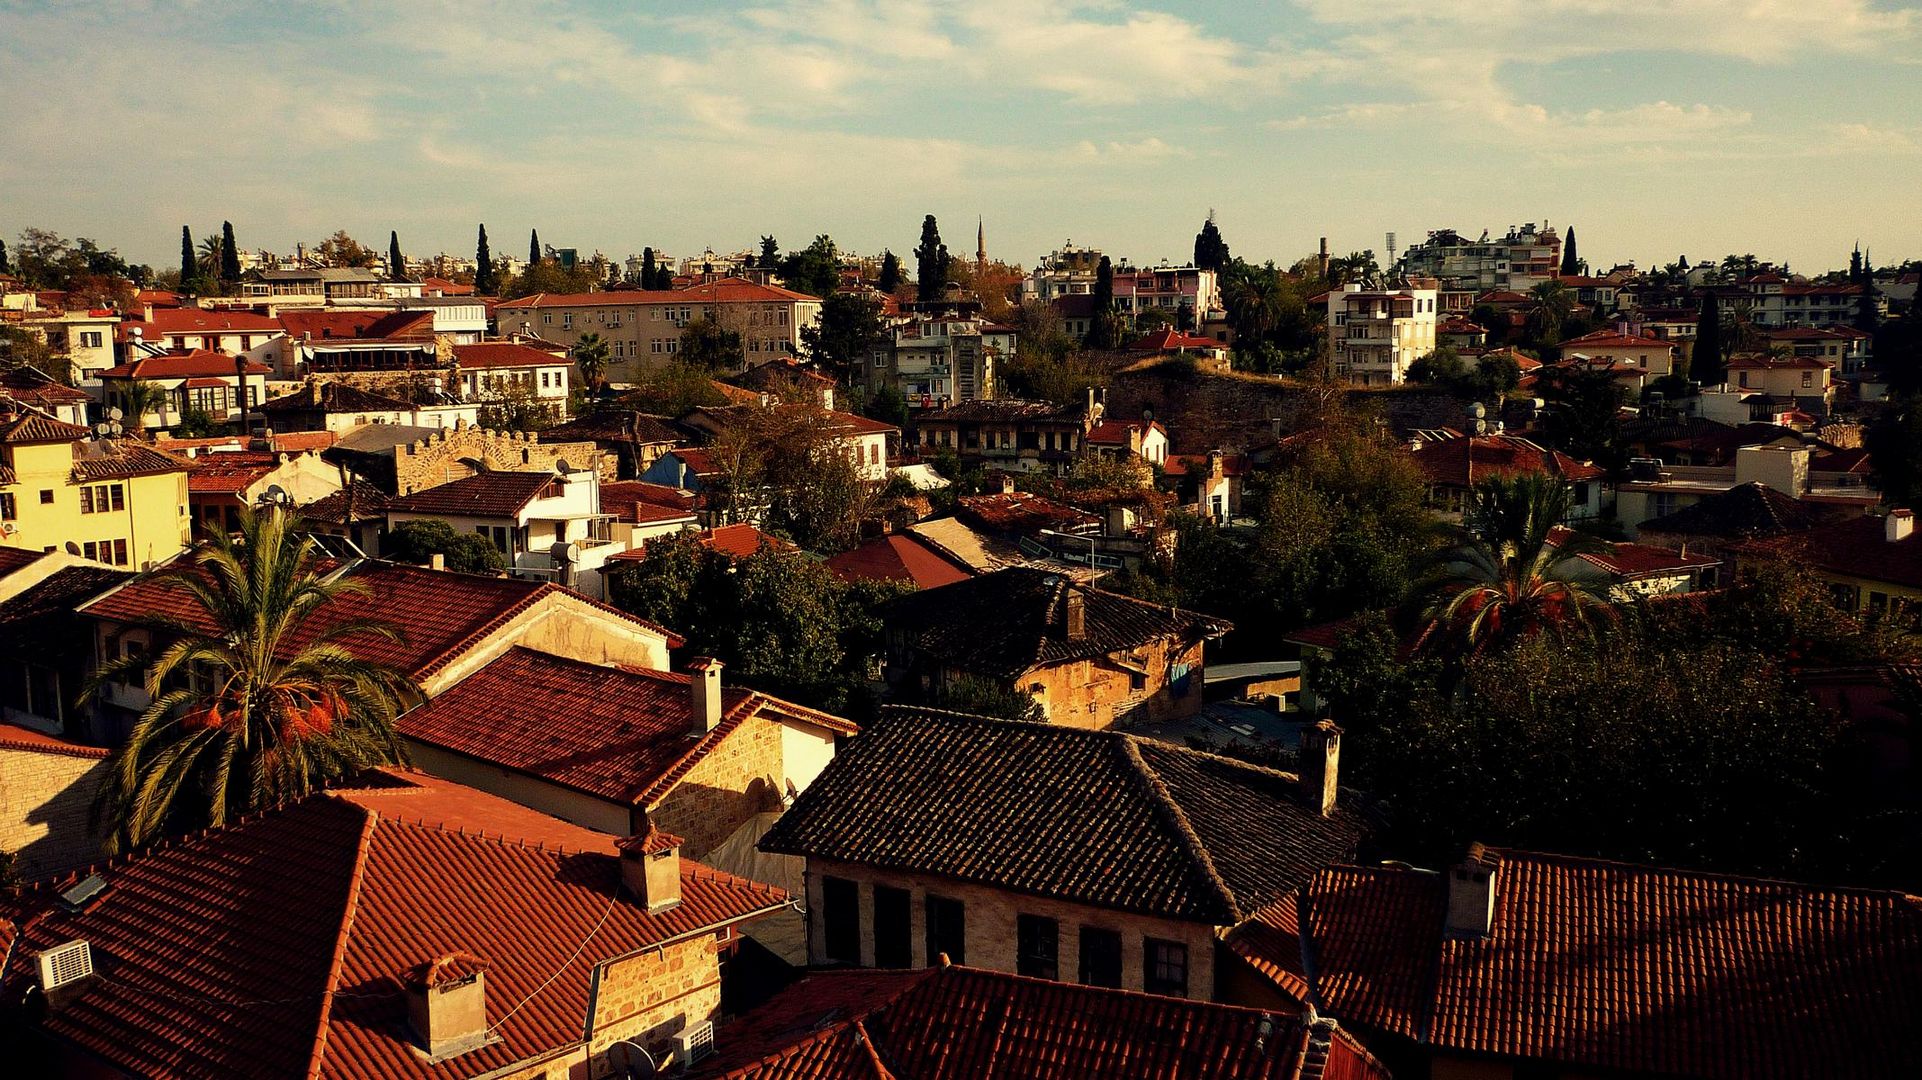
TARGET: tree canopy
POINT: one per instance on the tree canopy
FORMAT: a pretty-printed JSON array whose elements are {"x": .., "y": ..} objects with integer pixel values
[
  {"x": 1211, "y": 251},
  {"x": 931, "y": 262},
  {"x": 849, "y": 328},
  {"x": 419, "y": 541},
  {"x": 486, "y": 278}
]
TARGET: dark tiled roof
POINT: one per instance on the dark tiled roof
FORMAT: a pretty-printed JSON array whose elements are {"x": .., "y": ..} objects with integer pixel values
[
  {"x": 1007, "y": 622},
  {"x": 1095, "y": 817},
  {"x": 1004, "y": 410},
  {"x": 1603, "y": 965},
  {"x": 486, "y": 494},
  {"x": 12, "y": 559},
  {"x": 276, "y": 947},
  {"x": 613, "y": 733},
  {"x": 183, "y": 365},
  {"x": 38, "y": 388},
  {"x": 1466, "y": 461},
  {"x": 616, "y": 425},
  {"x": 959, "y": 1023},
  {"x": 37, "y": 427},
  {"x": 1020, "y": 511},
  {"x": 332, "y": 397},
  {"x": 369, "y": 502},
  {"x": 1750, "y": 510},
  {"x": 39, "y": 621},
  {"x": 1856, "y": 547},
  {"x": 121, "y": 458}
]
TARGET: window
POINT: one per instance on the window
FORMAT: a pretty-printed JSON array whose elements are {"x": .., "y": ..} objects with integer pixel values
[
  {"x": 947, "y": 930},
  {"x": 120, "y": 553},
  {"x": 893, "y": 928},
  {"x": 1100, "y": 957},
  {"x": 8, "y": 511},
  {"x": 1164, "y": 967},
  {"x": 567, "y": 320},
  {"x": 841, "y": 920},
  {"x": 547, "y": 318},
  {"x": 1037, "y": 947},
  {"x": 90, "y": 339},
  {"x": 1808, "y": 379}
]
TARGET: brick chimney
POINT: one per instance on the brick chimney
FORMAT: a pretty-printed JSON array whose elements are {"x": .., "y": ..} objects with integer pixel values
[
  {"x": 1471, "y": 894},
  {"x": 1074, "y": 613},
  {"x": 447, "y": 1004},
  {"x": 1898, "y": 525},
  {"x": 651, "y": 868},
  {"x": 706, "y": 689},
  {"x": 1320, "y": 766}
]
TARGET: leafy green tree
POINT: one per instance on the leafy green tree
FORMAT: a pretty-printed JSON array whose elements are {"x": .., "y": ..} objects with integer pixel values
[
  {"x": 1707, "y": 363},
  {"x": 770, "y": 252},
  {"x": 549, "y": 276},
  {"x": 1571, "y": 264},
  {"x": 420, "y": 540},
  {"x": 675, "y": 388},
  {"x": 889, "y": 281},
  {"x": 1354, "y": 266},
  {"x": 341, "y": 249},
  {"x": 931, "y": 262},
  {"x": 708, "y": 344},
  {"x": 590, "y": 356},
  {"x": 1549, "y": 305},
  {"x": 396, "y": 262},
  {"x": 814, "y": 270},
  {"x": 229, "y": 255},
  {"x": 849, "y": 329},
  {"x": 1508, "y": 580},
  {"x": 1211, "y": 251},
  {"x": 1584, "y": 414},
  {"x": 533, "y": 247},
  {"x": 258, "y": 696},
  {"x": 141, "y": 396},
  {"x": 1895, "y": 449},
  {"x": 486, "y": 281},
  {"x": 647, "y": 268},
  {"x": 982, "y": 697},
  {"x": 888, "y": 406}
]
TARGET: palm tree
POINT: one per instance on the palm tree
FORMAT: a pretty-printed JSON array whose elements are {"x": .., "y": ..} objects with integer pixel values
[
  {"x": 142, "y": 396},
  {"x": 1549, "y": 305},
  {"x": 209, "y": 258},
  {"x": 257, "y": 698},
  {"x": 1515, "y": 573},
  {"x": 590, "y": 355}
]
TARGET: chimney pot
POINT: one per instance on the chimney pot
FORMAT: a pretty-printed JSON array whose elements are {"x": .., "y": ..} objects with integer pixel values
[
  {"x": 1471, "y": 894},
  {"x": 706, "y": 689},
  {"x": 651, "y": 868},
  {"x": 1320, "y": 766},
  {"x": 1898, "y": 525},
  {"x": 447, "y": 1004},
  {"x": 1074, "y": 613}
]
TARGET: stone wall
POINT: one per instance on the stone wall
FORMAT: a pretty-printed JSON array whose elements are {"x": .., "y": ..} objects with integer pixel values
[
  {"x": 442, "y": 456},
  {"x": 733, "y": 782},
  {"x": 45, "y": 800},
  {"x": 1096, "y": 693},
  {"x": 653, "y": 997}
]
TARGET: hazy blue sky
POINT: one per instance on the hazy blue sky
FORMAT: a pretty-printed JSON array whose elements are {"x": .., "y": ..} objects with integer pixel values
[{"x": 1790, "y": 128}]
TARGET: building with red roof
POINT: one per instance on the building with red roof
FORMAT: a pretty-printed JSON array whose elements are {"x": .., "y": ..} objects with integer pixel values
[
  {"x": 201, "y": 381},
  {"x": 1453, "y": 466},
  {"x": 1783, "y": 378},
  {"x": 405, "y": 928},
  {"x": 1517, "y": 961},
  {"x": 359, "y": 340},
  {"x": 489, "y": 369},
  {"x": 643, "y": 327},
  {"x": 740, "y": 541},
  {"x": 186, "y": 329},
  {"x": 1143, "y": 439},
  {"x": 225, "y": 482},
  {"x": 898, "y": 557},
  {"x": 927, "y": 1025},
  {"x": 1651, "y": 357}
]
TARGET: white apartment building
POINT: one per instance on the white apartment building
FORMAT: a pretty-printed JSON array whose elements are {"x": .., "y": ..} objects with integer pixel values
[
  {"x": 937, "y": 362},
  {"x": 1517, "y": 261},
  {"x": 1071, "y": 272},
  {"x": 1374, "y": 335}
]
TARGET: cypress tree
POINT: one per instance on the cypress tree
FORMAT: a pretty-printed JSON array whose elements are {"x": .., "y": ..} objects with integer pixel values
[
  {"x": 6, "y": 266},
  {"x": 1865, "y": 317},
  {"x": 930, "y": 262},
  {"x": 484, "y": 282},
  {"x": 229, "y": 254},
  {"x": 189, "y": 269},
  {"x": 1571, "y": 266},
  {"x": 1101, "y": 327},
  {"x": 1707, "y": 365},
  {"x": 1211, "y": 252},
  {"x": 890, "y": 272},
  {"x": 533, "y": 247},
  {"x": 647, "y": 268},
  {"x": 396, "y": 262}
]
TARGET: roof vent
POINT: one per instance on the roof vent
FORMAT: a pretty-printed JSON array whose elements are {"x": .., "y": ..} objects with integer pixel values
[
  {"x": 64, "y": 965},
  {"x": 81, "y": 895}
]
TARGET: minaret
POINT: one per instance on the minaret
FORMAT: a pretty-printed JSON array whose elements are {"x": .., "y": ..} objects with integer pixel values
[{"x": 981, "y": 245}]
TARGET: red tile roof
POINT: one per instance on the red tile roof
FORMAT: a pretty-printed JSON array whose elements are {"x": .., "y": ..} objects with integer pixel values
[
  {"x": 370, "y": 325},
  {"x": 1613, "y": 966},
  {"x": 33, "y": 426},
  {"x": 1020, "y": 511},
  {"x": 1855, "y": 547},
  {"x": 278, "y": 947},
  {"x": 1758, "y": 362},
  {"x": 1633, "y": 562},
  {"x": 123, "y": 458},
  {"x": 182, "y": 366},
  {"x": 1168, "y": 339},
  {"x": 1609, "y": 339},
  {"x": 14, "y": 737},
  {"x": 640, "y": 491},
  {"x": 959, "y": 1023},
  {"x": 1467, "y": 461},
  {"x": 722, "y": 291},
  {"x": 196, "y": 322},
  {"x": 231, "y": 471},
  {"x": 897, "y": 557},
  {"x": 445, "y": 287},
  {"x": 614, "y": 733},
  {"x": 1115, "y": 432},
  {"x": 486, "y": 494},
  {"x": 441, "y": 614},
  {"x": 1197, "y": 464},
  {"x": 504, "y": 354},
  {"x": 740, "y": 541}
]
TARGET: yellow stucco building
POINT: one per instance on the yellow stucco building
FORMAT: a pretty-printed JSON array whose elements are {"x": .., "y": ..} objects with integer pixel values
[{"x": 116, "y": 501}]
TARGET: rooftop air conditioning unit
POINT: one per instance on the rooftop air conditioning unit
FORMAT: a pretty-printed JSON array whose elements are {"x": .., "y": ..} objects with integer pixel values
[
  {"x": 63, "y": 965},
  {"x": 694, "y": 1044}
]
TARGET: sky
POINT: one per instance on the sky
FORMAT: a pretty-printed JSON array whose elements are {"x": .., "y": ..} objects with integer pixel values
[{"x": 1791, "y": 129}]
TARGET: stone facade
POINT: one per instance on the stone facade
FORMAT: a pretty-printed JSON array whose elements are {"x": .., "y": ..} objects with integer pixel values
[
  {"x": 990, "y": 925},
  {"x": 1098, "y": 693},
  {"x": 440, "y": 457},
  {"x": 653, "y": 997},
  {"x": 731, "y": 783},
  {"x": 45, "y": 800}
]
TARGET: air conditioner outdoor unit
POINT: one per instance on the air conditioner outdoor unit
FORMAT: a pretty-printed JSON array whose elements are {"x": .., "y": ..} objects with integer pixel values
[
  {"x": 694, "y": 1044},
  {"x": 72, "y": 962}
]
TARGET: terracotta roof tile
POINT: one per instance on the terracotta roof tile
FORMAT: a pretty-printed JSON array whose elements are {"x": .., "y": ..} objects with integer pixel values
[
  {"x": 370, "y": 325},
  {"x": 488, "y": 494},
  {"x": 200, "y": 362},
  {"x": 14, "y": 737},
  {"x": 316, "y": 396},
  {"x": 33, "y": 426},
  {"x": 1466, "y": 461},
  {"x": 1020, "y": 511},
  {"x": 740, "y": 541},
  {"x": 1856, "y": 547},
  {"x": 1095, "y": 817},
  {"x": 897, "y": 557},
  {"x": 1618, "y": 967},
  {"x": 504, "y": 354},
  {"x": 959, "y": 1023},
  {"x": 277, "y": 947},
  {"x": 614, "y": 733},
  {"x": 123, "y": 458},
  {"x": 722, "y": 291}
]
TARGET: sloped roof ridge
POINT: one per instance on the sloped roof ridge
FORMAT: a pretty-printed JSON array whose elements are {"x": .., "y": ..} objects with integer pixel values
[
  {"x": 338, "y": 961},
  {"x": 1177, "y": 819},
  {"x": 1565, "y": 858},
  {"x": 731, "y": 719}
]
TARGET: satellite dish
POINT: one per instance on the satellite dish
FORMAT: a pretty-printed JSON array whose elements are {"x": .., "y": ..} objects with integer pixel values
[
  {"x": 561, "y": 466},
  {"x": 73, "y": 548}
]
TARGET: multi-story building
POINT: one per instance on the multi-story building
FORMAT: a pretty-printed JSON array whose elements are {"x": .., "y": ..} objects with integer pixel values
[
  {"x": 642, "y": 328},
  {"x": 113, "y": 501},
  {"x": 313, "y": 287},
  {"x": 1842, "y": 347},
  {"x": 199, "y": 381},
  {"x": 1772, "y": 300},
  {"x": 936, "y": 362},
  {"x": 1009, "y": 434},
  {"x": 489, "y": 369},
  {"x": 84, "y": 337},
  {"x": 1521, "y": 259},
  {"x": 1375, "y": 335},
  {"x": 1071, "y": 272}
]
